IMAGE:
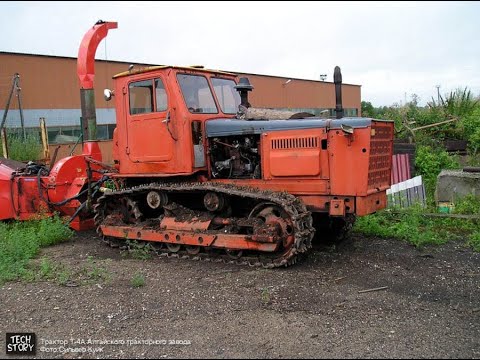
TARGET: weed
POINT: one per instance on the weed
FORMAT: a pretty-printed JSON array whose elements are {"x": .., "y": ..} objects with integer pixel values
[
  {"x": 110, "y": 184},
  {"x": 93, "y": 272},
  {"x": 138, "y": 280},
  {"x": 429, "y": 162},
  {"x": 47, "y": 268},
  {"x": 63, "y": 277},
  {"x": 28, "y": 275},
  {"x": 468, "y": 205},
  {"x": 265, "y": 295},
  {"x": 414, "y": 227},
  {"x": 140, "y": 251},
  {"x": 24, "y": 150},
  {"x": 21, "y": 241},
  {"x": 474, "y": 240}
]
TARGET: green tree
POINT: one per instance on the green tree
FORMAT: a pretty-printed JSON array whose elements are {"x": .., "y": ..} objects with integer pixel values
[{"x": 367, "y": 109}]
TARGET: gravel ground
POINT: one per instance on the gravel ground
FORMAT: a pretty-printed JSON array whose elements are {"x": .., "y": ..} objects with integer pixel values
[{"x": 429, "y": 306}]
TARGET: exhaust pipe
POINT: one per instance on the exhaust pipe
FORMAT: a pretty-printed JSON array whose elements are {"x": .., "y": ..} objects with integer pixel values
[
  {"x": 337, "y": 79},
  {"x": 243, "y": 88}
]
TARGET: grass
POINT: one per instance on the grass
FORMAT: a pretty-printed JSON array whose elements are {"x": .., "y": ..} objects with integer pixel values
[
  {"x": 414, "y": 227},
  {"x": 474, "y": 240},
  {"x": 48, "y": 270},
  {"x": 64, "y": 276},
  {"x": 265, "y": 296},
  {"x": 468, "y": 205},
  {"x": 23, "y": 150},
  {"x": 21, "y": 241},
  {"x": 138, "y": 280},
  {"x": 93, "y": 271},
  {"x": 138, "y": 250}
]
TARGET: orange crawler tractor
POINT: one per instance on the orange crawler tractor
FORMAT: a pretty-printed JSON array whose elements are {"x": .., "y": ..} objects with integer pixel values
[{"x": 197, "y": 176}]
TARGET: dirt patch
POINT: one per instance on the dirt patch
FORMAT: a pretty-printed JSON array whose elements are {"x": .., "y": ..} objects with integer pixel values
[{"x": 191, "y": 309}]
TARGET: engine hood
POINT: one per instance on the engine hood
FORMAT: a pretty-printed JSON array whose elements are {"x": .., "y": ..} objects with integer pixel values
[{"x": 226, "y": 127}]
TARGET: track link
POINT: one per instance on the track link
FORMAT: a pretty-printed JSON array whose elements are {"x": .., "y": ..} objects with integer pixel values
[{"x": 301, "y": 218}]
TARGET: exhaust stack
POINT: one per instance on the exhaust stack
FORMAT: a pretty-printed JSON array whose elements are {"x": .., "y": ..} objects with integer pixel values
[
  {"x": 243, "y": 88},
  {"x": 337, "y": 79}
]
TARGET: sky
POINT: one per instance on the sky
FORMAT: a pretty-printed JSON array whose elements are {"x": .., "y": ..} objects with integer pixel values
[{"x": 392, "y": 49}]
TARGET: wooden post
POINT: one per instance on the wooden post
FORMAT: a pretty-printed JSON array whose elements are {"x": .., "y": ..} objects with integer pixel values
[
  {"x": 43, "y": 131},
  {"x": 3, "y": 135}
]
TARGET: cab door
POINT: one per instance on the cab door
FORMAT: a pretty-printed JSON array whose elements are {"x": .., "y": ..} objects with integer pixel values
[{"x": 148, "y": 137}]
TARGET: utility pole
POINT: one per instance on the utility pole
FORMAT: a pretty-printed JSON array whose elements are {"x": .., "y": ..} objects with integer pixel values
[
  {"x": 7, "y": 106},
  {"x": 15, "y": 89}
]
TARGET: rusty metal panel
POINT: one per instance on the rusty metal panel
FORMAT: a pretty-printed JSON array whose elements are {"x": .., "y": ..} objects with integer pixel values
[{"x": 400, "y": 168}]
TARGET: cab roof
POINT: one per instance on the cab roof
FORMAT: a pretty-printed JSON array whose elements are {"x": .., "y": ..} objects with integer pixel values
[{"x": 153, "y": 68}]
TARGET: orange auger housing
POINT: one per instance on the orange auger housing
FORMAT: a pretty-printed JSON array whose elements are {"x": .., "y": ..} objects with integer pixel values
[
  {"x": 199, "y": 173},
  {"x": 31, "y": 191}
]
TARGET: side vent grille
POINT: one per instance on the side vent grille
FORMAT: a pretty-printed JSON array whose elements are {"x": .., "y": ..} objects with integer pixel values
[
  {"x": 295, "y": 143},
  {"x": 380, "y": 164}
]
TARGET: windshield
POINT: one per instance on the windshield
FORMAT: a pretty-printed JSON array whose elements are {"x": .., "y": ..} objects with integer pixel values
[
  {"x": 227, "y": 96},
  {"x": 197, "y": 94}
]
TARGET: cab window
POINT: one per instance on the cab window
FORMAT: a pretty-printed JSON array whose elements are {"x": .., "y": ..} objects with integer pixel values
[
  {"x": 142, "y": 99},
  {"x": 228, "y": 98},
  {"x": 197, "y": 94},
  {"x": 161, "y": 95}
]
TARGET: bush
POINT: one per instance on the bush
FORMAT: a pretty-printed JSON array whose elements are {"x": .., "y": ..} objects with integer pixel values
[
  {"x": 429, "y": 162},
  {"x": 471, "y": 128}
]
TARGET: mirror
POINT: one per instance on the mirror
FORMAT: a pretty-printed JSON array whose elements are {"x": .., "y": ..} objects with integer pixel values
[{"x": 108, "y": 94}]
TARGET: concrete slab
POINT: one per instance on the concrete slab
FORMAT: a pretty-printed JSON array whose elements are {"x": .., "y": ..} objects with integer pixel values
[{"x": 456, "y": 184}]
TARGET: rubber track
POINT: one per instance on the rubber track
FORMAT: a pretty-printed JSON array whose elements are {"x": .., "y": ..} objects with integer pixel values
[{"x": 301, "y": 221}]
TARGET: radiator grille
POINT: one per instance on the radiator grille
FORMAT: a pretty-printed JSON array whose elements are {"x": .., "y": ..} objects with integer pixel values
[
  {"x": 295, "y": 143},
  {"x": 380, "y": 164}
]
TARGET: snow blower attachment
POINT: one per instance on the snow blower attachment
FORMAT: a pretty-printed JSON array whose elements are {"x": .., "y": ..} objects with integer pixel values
[{"x": 29, "y": 191}]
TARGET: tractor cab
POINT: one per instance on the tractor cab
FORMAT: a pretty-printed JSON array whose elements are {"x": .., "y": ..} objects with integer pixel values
[{"x": 161, "y": 113}]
